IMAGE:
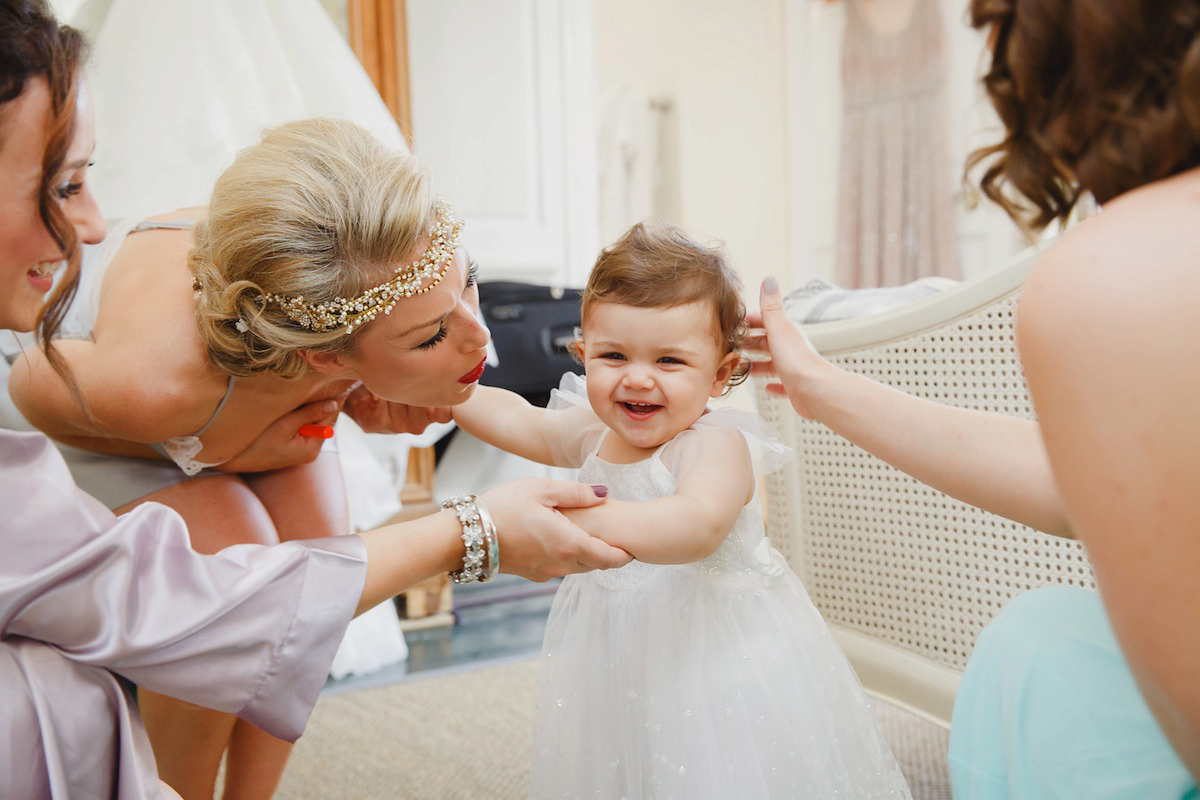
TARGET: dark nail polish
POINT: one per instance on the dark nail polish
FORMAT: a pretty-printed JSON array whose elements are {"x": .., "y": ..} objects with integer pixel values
[{"x": 600, "y": 490}]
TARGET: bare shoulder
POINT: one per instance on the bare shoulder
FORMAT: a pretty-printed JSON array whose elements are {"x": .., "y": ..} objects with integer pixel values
[
  {"x": 1109, "y": 340},
  {"x": 146, "y": 336},
  {"x": 191, "y": 214},
  {"x": 1129, "y": 276}
]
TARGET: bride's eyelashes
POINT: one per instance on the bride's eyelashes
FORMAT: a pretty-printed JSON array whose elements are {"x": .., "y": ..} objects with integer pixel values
[
  {"x": 472, "y": 276},
  {"x": 433, "y": 340}
]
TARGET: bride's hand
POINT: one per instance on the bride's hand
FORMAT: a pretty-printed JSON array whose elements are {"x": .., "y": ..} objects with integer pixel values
[
  {"x": 536, "y": 541},
  {"x": 374, "y": 415},
  {"x": 282, "y": 443}
]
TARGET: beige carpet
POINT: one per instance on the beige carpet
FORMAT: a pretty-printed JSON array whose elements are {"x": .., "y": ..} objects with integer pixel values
[{"x": 467, "y": 736}]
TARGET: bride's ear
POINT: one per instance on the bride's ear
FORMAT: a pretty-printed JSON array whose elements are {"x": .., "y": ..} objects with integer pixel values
[{"x": 325, "y": 362}]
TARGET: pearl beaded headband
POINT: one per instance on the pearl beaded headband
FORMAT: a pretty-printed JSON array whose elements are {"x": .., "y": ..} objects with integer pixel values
[{"x": 356, "y": 311}]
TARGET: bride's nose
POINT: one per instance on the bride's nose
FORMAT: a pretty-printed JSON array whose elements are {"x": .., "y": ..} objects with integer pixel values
[{"x": 476, "y": 335}]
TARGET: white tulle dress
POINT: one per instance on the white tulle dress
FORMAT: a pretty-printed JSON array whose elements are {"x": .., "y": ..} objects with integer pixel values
[{"x": 716, "y": 679}]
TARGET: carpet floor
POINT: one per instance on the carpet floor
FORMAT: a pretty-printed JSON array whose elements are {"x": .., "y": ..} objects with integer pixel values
[{"x": 467, "y": 735}]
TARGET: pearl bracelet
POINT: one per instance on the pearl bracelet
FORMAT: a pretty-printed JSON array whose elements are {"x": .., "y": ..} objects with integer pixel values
[{"x": 478, "y": 533}]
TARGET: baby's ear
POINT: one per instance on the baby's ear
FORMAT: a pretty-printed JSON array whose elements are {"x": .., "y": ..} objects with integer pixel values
[
  {"x": 724, "y": 372},
  {"x": 575, "y": 347}
]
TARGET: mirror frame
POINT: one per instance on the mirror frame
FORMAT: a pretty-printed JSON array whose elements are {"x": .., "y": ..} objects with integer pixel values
[{"x": 378, "y": 31}]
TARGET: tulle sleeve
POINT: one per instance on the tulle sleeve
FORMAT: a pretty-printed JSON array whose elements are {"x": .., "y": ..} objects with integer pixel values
[
  {"x": 767, "y": 453},
  {"x": 578, "y": 430}
]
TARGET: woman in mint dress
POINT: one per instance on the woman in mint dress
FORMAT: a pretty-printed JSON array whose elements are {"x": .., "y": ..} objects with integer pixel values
[{"x": 1070, "y": 693}]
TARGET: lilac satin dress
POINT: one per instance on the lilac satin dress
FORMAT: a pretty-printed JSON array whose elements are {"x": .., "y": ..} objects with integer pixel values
[{"x": 87, "y": 598}]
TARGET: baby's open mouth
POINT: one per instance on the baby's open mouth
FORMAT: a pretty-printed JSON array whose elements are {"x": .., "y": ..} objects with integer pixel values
[{"x": 641, "y": 408}]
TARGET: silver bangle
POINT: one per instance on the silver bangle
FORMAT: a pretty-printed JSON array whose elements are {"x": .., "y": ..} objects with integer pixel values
[
  {"x": 491, "y": 539},
  {"x": 478, "y": 533}
]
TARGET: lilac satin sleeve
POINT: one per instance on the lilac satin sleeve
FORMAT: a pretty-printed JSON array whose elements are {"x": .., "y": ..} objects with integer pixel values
[{"x": 251, "y": 630}]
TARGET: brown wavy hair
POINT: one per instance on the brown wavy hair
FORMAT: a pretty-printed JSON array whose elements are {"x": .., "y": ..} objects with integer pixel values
[
  {"x": 657, "y": 266},
  {"x": 33, "y": 45},
  {"x": 1095, "y": 95}
]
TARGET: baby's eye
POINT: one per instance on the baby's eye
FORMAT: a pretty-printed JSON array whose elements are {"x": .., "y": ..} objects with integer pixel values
[
  {"x": 433, "y": 340},
  {"x": 671, "y": 360},
  {"x": 612, "y": 357}
]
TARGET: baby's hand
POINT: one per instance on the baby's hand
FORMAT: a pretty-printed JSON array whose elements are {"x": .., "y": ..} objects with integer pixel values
[{"x": 374, "y": 415}]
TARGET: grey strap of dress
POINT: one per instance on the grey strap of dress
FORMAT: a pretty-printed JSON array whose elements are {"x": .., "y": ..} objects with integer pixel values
[{"x": 155, "y": 225}]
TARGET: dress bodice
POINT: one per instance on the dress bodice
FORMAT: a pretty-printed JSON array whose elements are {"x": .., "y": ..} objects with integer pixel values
[{"x": 743, "y": 555}]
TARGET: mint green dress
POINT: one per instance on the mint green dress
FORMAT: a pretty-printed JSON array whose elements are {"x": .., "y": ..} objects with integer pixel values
[{"x": 1048, "y": 709}]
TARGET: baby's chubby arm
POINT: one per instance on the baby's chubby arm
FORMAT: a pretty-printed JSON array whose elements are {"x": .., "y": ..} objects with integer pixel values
[
  {"x": 508, "y": 421},
  {"x": 690, "y": 524}
]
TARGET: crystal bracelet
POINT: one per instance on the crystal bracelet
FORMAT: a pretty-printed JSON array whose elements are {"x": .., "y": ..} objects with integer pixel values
[{"x": 478, "y": 533}]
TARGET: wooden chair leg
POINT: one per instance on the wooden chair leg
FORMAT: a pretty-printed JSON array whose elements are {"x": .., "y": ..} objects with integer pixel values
[{"x": 431, "y": 602}]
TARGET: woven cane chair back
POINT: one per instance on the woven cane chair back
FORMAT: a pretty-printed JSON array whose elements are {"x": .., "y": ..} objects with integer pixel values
[{"x": 906, "y": 576}]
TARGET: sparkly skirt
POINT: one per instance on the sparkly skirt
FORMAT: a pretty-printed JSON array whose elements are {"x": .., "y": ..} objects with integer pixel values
[{"x": 677, "y": 682}]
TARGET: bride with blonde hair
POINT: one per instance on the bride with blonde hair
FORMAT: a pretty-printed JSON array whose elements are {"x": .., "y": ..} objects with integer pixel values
[{"x": 325, "y": 274}]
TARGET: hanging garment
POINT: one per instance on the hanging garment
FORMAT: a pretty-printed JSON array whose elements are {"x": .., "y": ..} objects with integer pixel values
[
  {"x": 895, "y": 216},
  {"x": 627, "y": 155}
]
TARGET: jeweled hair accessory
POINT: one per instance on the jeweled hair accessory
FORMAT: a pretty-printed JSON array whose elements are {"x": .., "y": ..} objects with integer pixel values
[{"x": 356, "y": 311}]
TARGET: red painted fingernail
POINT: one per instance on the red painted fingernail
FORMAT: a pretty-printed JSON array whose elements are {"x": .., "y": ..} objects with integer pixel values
[
  {"x": 600, "y": 490},
  {"x": 316, "y": 431}
]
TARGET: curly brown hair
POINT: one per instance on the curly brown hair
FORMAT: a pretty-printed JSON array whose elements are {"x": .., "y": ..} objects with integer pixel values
[
  {"x": 33, "y": 45},
  {"x": 658, "y": 266},
  {"x": 1095, "y": 95}
]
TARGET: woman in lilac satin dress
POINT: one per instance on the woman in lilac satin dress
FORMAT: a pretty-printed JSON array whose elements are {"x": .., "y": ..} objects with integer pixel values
[{"x": 92, "y": 603}]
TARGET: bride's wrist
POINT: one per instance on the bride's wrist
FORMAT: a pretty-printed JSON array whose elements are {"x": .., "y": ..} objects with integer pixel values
[{"x": 481, "y": 542}]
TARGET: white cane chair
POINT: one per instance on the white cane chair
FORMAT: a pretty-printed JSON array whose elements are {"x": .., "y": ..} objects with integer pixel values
[{"x": 905, "y": 576}]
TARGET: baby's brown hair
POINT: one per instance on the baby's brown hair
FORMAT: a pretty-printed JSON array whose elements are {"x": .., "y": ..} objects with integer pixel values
[{"x": 655, "y": 265}]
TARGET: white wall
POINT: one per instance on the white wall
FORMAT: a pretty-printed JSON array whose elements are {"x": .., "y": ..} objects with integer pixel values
[
  {"x": 756, "y": 122},
  {"x": 720, "y": 63}
]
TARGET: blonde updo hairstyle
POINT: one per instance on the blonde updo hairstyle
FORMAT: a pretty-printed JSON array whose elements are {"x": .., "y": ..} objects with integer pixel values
[{"x": 319, "y": 209}]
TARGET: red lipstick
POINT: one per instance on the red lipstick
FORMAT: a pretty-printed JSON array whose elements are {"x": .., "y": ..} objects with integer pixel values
[{"x": 474, "y": 374}]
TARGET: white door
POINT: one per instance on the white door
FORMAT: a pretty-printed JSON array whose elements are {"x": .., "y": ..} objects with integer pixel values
[{"x": 502, "y": 107}]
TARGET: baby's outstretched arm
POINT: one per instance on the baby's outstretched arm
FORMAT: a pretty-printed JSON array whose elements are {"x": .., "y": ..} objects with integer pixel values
[
  {"x": 508, "y": 421},
  {"x": 690, "y": 524}
]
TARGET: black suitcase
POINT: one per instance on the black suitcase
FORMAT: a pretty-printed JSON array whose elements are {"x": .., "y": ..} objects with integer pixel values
[{"x": 531, "y": 327}]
